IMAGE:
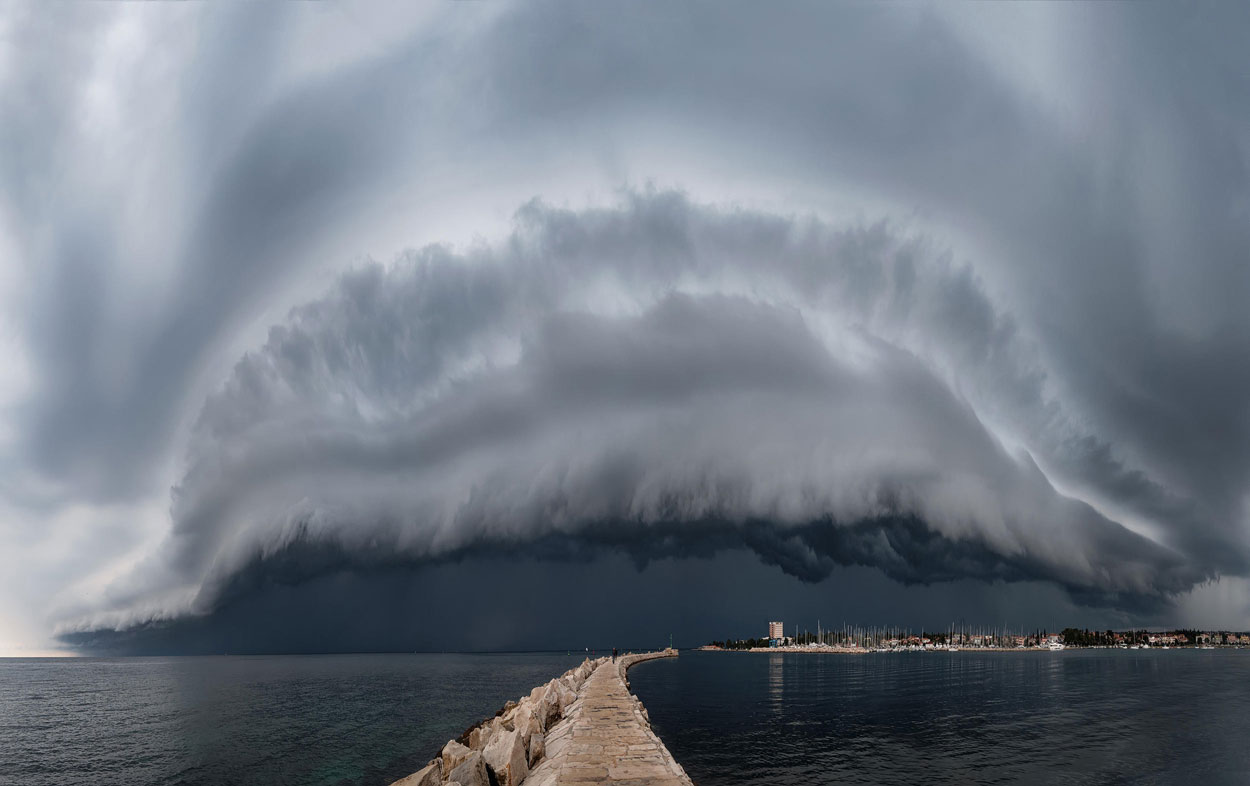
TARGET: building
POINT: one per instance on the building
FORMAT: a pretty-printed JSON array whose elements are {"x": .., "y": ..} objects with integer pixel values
[{"x": 776, "y": 630}]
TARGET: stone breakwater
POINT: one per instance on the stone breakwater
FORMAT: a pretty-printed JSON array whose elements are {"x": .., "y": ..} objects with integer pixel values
[{"x": 582, "y": 727}]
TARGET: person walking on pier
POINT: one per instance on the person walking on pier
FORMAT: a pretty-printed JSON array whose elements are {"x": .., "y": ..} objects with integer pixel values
[{"x": 614, "y": 654}]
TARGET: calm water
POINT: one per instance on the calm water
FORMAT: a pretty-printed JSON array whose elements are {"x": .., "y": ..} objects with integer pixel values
[
  {"x": 1094, "y": 716},
  {"x": 1070, "y": 717},
  {"x": 308, "y": 720}
]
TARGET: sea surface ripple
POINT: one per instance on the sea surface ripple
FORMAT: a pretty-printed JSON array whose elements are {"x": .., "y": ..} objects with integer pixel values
[
  {"x": 1071, "y": 717},
  {"x": 327, "y": 720}
]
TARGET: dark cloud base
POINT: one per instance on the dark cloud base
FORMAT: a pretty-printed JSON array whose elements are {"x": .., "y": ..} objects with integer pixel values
[
  {"x": 600, "y": 589},
  {"x": 520, "y": 603},
  {"x": 902, "y": 547}
]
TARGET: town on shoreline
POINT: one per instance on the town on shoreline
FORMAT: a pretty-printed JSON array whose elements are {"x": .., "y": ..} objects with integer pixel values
[{"x": 854, "y": 639}]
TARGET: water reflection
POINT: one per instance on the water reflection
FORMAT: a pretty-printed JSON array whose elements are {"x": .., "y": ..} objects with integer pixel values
[
  {"x": 776, "y": 682},
  {"x": 1084, "y": 717}
]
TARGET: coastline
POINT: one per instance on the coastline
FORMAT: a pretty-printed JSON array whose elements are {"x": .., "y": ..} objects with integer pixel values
[
  {"x": 582, "y": 726},
  {"x": 829, "y": 650}
]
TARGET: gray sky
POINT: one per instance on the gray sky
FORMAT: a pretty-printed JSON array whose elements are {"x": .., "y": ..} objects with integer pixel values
[{"x": 906, "y": 313}]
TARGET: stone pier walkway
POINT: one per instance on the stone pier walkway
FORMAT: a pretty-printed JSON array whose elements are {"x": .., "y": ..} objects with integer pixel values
[{"x": 606, "y": 737}]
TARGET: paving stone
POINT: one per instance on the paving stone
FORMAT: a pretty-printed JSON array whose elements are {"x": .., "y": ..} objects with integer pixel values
[{"x": 605, "y": 737}]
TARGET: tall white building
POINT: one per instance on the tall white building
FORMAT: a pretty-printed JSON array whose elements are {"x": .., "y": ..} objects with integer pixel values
[{"x": 776, "y": 630}]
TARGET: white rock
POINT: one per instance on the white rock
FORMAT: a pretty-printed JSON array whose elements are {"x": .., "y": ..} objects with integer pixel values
[
  {"x": 549, "y": 711},
  {"x": 537, "y": 747},
  {"x": 453, "y": 753},
  {"x": 507, "y": 756},
  {"x": 430, "y": 775},
  {"x": 554, "y": 743},
  {"x": 480, "y": 737},
  {"x": 518, "y": 708},
  {"x": 521, "y": 718},
  {"x": 471, "y": 772},
  {"x": 567, "y": 697}
]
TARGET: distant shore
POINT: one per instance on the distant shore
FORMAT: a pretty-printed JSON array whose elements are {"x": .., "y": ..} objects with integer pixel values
[{"x": 839, "y": 650}]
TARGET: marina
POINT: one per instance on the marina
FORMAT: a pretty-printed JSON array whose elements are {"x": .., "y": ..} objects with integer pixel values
[{"x": 858, "y": 640}]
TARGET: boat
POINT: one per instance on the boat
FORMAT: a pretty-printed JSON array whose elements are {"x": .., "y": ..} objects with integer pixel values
[{"x": 1055, "y": 646}]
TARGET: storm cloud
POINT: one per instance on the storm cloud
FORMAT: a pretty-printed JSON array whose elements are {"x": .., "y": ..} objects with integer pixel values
[
  {"x": 941, "y": 295},
  {"x": 662, "y": 378}
]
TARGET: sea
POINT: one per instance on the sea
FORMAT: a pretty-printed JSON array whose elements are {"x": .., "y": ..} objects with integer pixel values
[
  {"x": 305, "y": 720},
  {"x": 1071, "y": 717}
]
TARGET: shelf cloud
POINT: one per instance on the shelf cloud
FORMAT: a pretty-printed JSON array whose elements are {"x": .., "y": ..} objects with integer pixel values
[
  {"x": 661, "y": 378},
  {"x": 948, "y": 299}
]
